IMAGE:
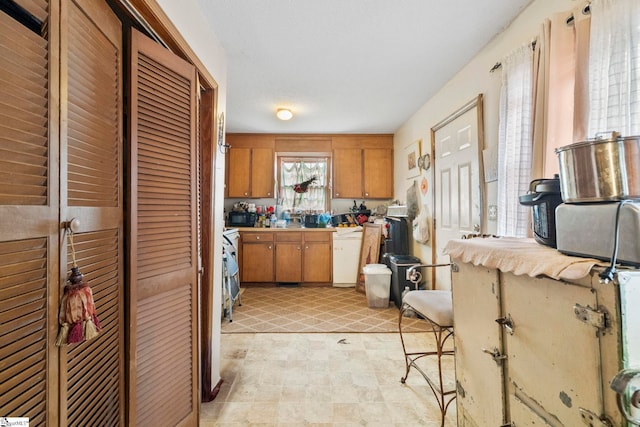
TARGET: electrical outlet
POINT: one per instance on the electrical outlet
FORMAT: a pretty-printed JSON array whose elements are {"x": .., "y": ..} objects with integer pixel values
[{"x": 493, "y": 213}]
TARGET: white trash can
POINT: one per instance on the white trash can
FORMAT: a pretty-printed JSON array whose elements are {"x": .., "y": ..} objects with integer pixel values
[{"x": 377, "y": 285}]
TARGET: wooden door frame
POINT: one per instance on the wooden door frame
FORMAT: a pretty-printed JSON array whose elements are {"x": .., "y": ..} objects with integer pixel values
[{"x": 208, "y": 153}]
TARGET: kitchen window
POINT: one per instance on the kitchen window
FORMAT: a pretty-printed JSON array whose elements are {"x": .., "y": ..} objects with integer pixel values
[{"x": 303, "y": 182}]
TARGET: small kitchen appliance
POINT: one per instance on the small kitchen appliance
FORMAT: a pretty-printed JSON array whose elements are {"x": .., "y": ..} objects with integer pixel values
[
  {"x": 311, "y": 221},
  {"x": 600, "y": 185},
  {"x": 242, "y": 219},
  {"x": 590, "y": 230},
  {"x": 397, "y": 210},
  {"x": 543, "y": 197}
]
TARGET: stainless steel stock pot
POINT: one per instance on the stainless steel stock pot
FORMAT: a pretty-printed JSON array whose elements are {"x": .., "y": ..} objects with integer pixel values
[{"x": 604, "y": 169}]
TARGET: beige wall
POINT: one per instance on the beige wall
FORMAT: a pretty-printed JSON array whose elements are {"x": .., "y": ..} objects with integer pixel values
[
  {"x": 189, "y": 20},
  {"x": 472, "y": 80}
]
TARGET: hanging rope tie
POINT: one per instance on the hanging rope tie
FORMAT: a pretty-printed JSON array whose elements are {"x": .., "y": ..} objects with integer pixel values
[{"x": 77, "y": 316}]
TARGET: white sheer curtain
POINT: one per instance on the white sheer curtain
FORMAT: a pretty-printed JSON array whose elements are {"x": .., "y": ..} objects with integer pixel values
[
  {"x": 515, "y": 141},
  {"x": 614, "y": 67},
  {"x": 297, "y": 170}
]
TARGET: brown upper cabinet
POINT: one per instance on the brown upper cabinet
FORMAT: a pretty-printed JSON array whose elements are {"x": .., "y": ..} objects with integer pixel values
[
  {"x": 250, "y": 166},
  {"x": 363, "y": 166}
]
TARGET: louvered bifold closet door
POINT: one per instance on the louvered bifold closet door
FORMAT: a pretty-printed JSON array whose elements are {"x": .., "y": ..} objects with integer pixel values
[
  {"x": 28, "y": 219},
  {"x": 163, "y": 263},
  {"x": 93, "y": 383}
]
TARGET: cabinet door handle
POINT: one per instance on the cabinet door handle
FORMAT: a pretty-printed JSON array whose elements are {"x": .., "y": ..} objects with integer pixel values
[
  {"x": 269, "y": 247},
  {"x": 306, "y": 247},
  {"x": 257, "y": 237},
  {"x": 298, "y": 247},
  {"x": 366, "y": 194}
]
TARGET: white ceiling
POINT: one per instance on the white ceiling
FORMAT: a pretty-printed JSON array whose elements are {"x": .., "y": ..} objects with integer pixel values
[{"x": 345, "y": 66}]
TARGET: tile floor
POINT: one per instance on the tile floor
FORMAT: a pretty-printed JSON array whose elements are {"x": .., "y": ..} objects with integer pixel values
[
  {"x": 312, "y": 309},
  {"x": 318, "y": 379}
]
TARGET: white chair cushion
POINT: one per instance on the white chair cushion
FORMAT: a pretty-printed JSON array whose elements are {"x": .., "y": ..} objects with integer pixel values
[{"x": 435, "y": 305}]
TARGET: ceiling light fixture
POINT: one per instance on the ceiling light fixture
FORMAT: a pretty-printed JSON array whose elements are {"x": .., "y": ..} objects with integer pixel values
[{"x": 284, "y": 114}]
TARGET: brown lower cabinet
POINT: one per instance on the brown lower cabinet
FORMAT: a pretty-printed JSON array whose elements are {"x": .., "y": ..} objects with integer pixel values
[
  {"x": 285, "y": 256},
  {"x": 317, "y": 257},
  {"x": 288, "y": 259},
  {"x": 257, "y": 257}
]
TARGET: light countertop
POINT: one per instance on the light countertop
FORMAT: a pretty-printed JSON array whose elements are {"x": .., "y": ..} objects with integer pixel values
[{"x": 285, "y": 230}]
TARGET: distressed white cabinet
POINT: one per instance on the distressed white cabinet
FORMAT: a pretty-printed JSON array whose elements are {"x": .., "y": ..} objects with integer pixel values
[{"x": 534, "y": 351}]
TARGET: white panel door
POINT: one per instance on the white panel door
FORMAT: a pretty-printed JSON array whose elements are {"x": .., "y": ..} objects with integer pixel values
[{"x": 457, "y": 175}]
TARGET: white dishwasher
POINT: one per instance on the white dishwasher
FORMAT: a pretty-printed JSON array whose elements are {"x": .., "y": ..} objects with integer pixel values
[{"x": 346, "y": 256}]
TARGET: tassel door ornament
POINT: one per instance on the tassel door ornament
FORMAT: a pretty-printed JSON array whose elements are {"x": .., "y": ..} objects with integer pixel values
[{"x": 77, "y": 316}]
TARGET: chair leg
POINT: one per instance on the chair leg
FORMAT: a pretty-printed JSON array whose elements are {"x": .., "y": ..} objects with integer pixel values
[{"x": 441, "y": 336}]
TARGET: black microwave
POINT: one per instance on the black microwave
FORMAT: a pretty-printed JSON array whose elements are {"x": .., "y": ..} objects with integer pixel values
[{"x": 242, "y": 219}]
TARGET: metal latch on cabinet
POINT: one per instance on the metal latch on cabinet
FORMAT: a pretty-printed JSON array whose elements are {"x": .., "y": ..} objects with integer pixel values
[
  {"x": 506, "y": 322},
  {"x": 495, "y": 355},
  {"x": 588, "y": 315}
]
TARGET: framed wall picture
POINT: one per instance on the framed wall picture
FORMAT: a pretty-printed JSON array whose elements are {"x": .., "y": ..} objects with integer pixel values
[
  {"x": 369, "y": 250},
  {"x": 411, "y": 155}
]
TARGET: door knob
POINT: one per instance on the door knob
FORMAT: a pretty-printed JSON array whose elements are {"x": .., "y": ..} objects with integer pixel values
[{"x": 72, "y": 225}]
